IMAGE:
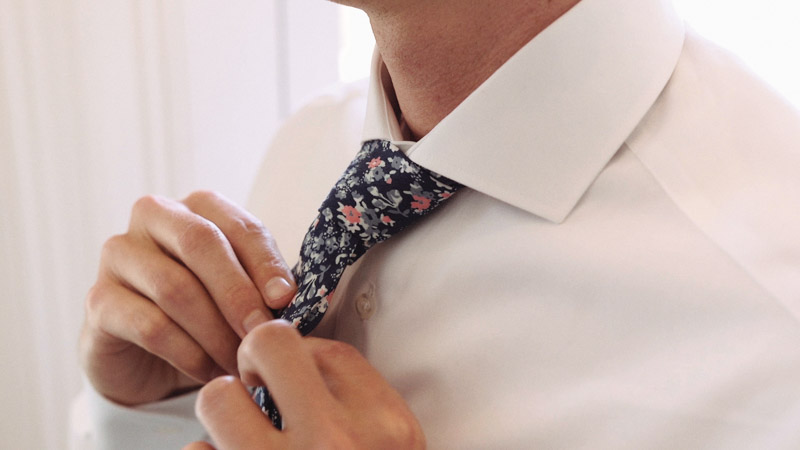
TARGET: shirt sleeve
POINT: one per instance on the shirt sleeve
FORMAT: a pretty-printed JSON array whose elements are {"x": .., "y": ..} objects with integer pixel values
[{"x": 98, "y": 423}]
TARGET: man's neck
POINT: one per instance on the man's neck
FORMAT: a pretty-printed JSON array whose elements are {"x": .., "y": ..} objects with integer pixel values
[{"x": 438, "y": 52}]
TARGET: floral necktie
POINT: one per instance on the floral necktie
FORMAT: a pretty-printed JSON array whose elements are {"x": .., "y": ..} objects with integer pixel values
[{"x": 380, "y": 194}]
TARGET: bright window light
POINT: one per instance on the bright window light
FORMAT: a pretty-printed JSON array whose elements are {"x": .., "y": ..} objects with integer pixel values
[
  {"x": 764, "y": 34},
  {"x": 357, "y": 42}
]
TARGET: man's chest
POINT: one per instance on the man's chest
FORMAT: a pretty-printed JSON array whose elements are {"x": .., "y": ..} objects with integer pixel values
[{"x": 623, "y": 317}]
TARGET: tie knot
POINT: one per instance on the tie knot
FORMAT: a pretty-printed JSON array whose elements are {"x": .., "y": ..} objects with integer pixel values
[{"x": 382, "y": 192}]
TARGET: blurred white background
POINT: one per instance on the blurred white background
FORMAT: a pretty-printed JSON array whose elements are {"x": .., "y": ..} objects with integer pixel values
[{"x": 102, "y": 102}]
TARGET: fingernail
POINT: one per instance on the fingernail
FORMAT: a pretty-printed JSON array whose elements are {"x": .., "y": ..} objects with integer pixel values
[
  {"x": 277, "y": 288},
  {"x": 253, "y": 320}
]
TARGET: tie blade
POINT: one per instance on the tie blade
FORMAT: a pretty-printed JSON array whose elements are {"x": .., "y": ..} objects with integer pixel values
[
  {"x": 263, "y": 399},
  {"x": 381, "y": 193}
]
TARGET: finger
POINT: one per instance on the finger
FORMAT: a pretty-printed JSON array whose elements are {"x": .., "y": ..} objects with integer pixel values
[
  {"x": 251, "y": 242},
  {"x": 351, "y": 379},
  {"x": 360, "y": 389},
  {"x": 232, "y": 419},
  {"x": 274, "y": 355},
  {"x": 132, "y": 318},
  {"x": 200, "y": 445},
  {"x": 200, "y": 245},
  {"x": 144, "y": 268}
]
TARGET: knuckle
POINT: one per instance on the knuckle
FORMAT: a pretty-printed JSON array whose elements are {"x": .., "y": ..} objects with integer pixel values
[
  {"x": 147, "y": 203},
  {"x": 334, "y": 436},
  {"x": 240, "y": 292},
  {"x": 335, "y": 350},
  {"x": 196, "y": 363},
  {"x": 398, "y": 428},
  {"x": 215, "y": 391},
  {"x": 113, "y": 246},
  {"x": 247, "y": 348},
  {"x": 95, "y": 299},
  {"x": 248, "y": 226},
  {"x": 270, "y": 334},
  {"x": 198, "y": 236},
  {"x": 252, "y": 342},
  {"x": 200, "y": 197},
  {"x": 199, "y": 445},
  {"x": 275, "y": 260},
  {"x": 151, "y": 332},
  {"x": 403, "y": 431},
  {"x": 175, "y": 290}
]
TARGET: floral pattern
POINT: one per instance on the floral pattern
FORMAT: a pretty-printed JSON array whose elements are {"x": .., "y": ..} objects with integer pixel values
[{"x": 381, "y": 193}]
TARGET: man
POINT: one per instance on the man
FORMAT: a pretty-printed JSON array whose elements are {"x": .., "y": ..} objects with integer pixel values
[{"x": 621, "y": 270}]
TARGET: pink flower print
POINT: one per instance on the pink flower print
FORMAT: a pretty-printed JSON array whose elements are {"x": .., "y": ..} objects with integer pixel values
[
  {"x": 388, "y": 180},
  {"x": 446, "y": 195},
  {"x": 387, "y": 220},
  {"x": 351, "y": 214},
  {"x": 322, "y": 291},
  {"x": 376, "y": 162},
  {"x": 421, "y": 203}
]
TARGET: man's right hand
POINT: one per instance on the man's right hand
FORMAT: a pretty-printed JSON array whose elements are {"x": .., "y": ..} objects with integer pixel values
[{"x": 175, "y": 295}]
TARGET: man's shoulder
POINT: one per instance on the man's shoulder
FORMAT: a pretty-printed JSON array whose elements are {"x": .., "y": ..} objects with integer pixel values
[
  {"x": 716, "y": 115},
  {"x": 714, "y": 94},
  {"x": 338, "y": 108},
  {"x": 725, "y": 147}
]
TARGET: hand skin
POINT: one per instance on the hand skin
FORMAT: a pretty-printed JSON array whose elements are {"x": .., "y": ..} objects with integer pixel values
[
  {"x": 175, "y": 294},
  {"x": 329, "y": 395}
]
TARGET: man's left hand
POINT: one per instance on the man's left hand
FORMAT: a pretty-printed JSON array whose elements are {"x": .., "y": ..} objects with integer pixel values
[{"x": 328, "y": 394}]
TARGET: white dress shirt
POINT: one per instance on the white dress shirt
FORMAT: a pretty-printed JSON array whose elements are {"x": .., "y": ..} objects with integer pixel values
[{"x": 622, "y": 270}]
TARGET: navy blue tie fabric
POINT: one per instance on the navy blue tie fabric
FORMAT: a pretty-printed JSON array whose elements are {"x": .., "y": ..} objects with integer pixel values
[{"x": 381, "y": 193}]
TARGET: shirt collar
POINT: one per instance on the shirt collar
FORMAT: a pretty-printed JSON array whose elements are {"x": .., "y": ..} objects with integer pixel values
[{"x": 538, "y": 132}]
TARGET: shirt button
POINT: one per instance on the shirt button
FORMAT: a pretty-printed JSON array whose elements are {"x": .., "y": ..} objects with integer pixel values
[{"x": 365, "y": 305}]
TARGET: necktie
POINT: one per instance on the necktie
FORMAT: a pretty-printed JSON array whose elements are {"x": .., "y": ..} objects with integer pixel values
[{"x": 381, "y": 193}]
